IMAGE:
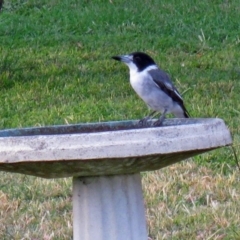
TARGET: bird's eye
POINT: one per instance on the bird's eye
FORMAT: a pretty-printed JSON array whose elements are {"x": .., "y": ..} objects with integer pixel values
[{"x": 137, "y": 58}]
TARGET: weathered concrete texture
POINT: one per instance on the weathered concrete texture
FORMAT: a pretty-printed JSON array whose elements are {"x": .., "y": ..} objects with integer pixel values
[
  {"x": 108, "y": 208},
  {"x": 110, "y": 152}
]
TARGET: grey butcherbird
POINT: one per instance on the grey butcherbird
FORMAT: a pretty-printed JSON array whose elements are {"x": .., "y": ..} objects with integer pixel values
[{"x": 154, "y": 86}]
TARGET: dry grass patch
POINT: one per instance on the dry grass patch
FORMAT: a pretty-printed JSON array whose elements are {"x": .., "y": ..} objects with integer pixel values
[
  {"x": 187, "y": 201},
  {"x": 35, "y": 208},
  {"x": 183, "y": 201}
]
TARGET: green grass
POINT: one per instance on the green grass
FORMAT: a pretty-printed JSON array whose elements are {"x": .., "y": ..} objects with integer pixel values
[{"x": 55, "y": 68}]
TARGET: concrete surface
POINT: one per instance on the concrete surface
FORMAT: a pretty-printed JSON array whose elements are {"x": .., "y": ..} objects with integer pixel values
[
  {"x": 108, "y": 208},
  {"x": 110, "y": 152}
]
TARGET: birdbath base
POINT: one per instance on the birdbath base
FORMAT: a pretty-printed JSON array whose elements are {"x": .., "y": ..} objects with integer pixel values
[{"x": 108, "y": 207}]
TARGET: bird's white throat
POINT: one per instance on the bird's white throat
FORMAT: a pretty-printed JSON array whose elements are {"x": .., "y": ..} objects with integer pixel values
[
  {"x": 134, "y": 70},
  {"x": 138, "y": 79}
]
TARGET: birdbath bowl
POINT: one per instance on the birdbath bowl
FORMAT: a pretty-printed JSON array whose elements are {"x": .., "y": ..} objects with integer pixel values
[{"x": 105, "y": 161}]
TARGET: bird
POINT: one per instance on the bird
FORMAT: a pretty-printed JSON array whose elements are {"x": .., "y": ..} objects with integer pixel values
[{"x": 154, "y": 87}]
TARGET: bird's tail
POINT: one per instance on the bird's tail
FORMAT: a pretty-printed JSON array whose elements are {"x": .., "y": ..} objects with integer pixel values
[
  {"x": 186, "y": 114},
  {"x": 182, "y": 112}
]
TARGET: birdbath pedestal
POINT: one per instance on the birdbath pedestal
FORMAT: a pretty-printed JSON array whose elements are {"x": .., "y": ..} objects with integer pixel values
[{"x": 105, "y": 161}]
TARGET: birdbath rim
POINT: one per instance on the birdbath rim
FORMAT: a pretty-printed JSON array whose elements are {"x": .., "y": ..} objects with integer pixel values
[
  {"x": 109, "y": 148},
  {"x": 93, "y": 127}
]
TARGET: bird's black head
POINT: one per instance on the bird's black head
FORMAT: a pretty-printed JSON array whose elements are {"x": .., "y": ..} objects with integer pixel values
[
  {"x": 142, "y": 60},
  {"x": 138, "y": 60}
]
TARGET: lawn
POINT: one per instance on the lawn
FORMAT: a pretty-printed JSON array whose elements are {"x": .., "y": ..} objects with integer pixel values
[{"x": 56, "y": 68}]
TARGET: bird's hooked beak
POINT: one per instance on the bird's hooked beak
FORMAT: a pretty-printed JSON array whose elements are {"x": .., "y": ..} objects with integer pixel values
[{"x": 123, "y": 58}]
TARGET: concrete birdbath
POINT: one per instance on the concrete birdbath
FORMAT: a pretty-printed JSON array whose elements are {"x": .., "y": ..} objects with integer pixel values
[{"x": 105, "y": 161}]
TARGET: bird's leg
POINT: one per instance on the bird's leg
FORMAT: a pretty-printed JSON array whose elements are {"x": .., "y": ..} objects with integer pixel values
[
  {"x": 159, "y": 122},
  {"x": 143, "y": 122}
]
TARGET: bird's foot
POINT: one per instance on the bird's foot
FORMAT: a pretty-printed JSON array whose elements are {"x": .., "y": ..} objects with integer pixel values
[
  {"x": 144, "y": 122},
  {"x": 158, "y": 123}
]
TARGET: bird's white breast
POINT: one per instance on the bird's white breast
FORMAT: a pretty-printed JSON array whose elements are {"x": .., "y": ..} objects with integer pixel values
[
  {"x": 139, "y": 80},
  {"x": 149, "y": 91}
]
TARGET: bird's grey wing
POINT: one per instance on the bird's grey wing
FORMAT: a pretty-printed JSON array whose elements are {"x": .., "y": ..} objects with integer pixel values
[{"x": 163, "y": 81}]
